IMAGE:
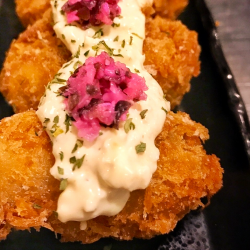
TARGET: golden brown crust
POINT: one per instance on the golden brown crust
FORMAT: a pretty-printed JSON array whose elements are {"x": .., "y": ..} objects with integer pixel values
[
  {"x": 185, "y": 174},
  {"x": 25, "y": 179},
  {"x": 172, "y": 56},
  {"x": 170, "y": 9},
  {"x": 30, "y": 11},
  {"x": 32, "y": 61}
]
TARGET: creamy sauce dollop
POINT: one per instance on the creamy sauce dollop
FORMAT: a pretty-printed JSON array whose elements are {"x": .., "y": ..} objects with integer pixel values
[{"x": 111, "y": 167}]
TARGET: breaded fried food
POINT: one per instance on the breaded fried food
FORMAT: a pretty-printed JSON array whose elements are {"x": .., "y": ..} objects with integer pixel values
[
  {"x": 30, "y": 11},
  {"x": 172, "y": 57},
  {"x": 29, "y": 193},
  {"x": 31, "y": 63}
]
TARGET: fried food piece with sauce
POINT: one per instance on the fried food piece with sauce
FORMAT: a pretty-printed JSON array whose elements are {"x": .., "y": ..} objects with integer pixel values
[
  {"x": 32, "y": 61},
  {"x": 172, "y": 57},
  {"x": 29, "y": 193},
  {"x": 30, "y": 11}
]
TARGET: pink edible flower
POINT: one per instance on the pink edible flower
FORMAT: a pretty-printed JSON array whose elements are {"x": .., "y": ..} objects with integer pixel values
[
  {"x": 94, "y": 12},
  {"x": 100, "y": 93}
]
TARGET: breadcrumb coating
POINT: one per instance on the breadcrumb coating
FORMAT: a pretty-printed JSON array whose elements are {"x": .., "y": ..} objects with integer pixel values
[
  {"x": 170, "y": 9},
  {"x": 31, "y": 62},
  {"x": 29, "y": 193},
  {"x": 171, "y": 56},
  {"x": 30, "y": 11},
  {"x": 171, "y": 50}
]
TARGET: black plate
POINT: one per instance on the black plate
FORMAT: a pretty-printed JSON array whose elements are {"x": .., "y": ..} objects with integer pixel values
[{"x": 213, "y": 101}]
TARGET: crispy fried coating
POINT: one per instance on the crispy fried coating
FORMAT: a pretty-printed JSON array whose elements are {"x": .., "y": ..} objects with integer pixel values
[
  {"x": 171, "y": 50},
  {"x": 30, "y": 11},
  {"x": 171, "y": 56},
  {"x": 31, "y": 63},
  {"x": 29, "y": 193},
  {"x": 25, "y": 180},
  {"x": 170, "y": 9}
]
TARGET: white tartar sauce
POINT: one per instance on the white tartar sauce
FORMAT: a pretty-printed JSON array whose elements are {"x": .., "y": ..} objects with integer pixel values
[{"x": 111, "y": 167}]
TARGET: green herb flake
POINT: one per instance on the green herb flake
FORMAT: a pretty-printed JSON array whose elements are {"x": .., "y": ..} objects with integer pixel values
[
  {"x": 78, "y": 163},
  {"x": 102, "y": 45},
  {"x": 129, "y": 125},
  {"x": 60, "y": 80},
  {"x": 123, "y": 43},
  {"x": 74, "y": 149},
  {"x": 62, "y": 12},
  {"x": 57, "y": 132},
  {"x": 131, "y": 40},
  {"x": 77, "y": 64},
  {"x": 98, "y": 33},
  {"x": 164, "y": 110},
  {"x": 73, "y": 41},
  {"x": 63, "y": 36},
  {"x": 56, "y": 119},
  {"x": 63, "y": 184},
  {"x": 137, "y": 71},
  {"x": 164, "y": 97},
  {"x": 143, "y": 113},
  {"x": 118, "y": 55},
  {"x": 86, "y": 53},
  {"x": 135, "y": 34},
  {"x": 36, "y": 206},
  {"x": 58, "y": 93},
  {"x": 140, "y": 148},
  {"x": 67, "y": 122},
  {"x": 72, "y": 160},
  {"x": 36, "y": 133},
  {"x": 46, "y": 120},
  {"x": 116, "y": 39},
  {"x": 61, "y": 154},
  {"x": 60, "y": 170},
  {"x": 116, "y": 25},
  {"x": 79, "y": 143},
  {"x": 78, "y": 52},
  {"x": 66, "y": 65},
  {"x": 100, "y": 133}
]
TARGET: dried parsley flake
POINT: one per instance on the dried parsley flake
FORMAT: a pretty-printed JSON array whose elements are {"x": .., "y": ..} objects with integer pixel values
[
  {"x": 63, "y": 184},
  {"x": 143, "y": 113},
  {"x": 129, "y": 125},
  {"x": 140, "y": 148}
]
